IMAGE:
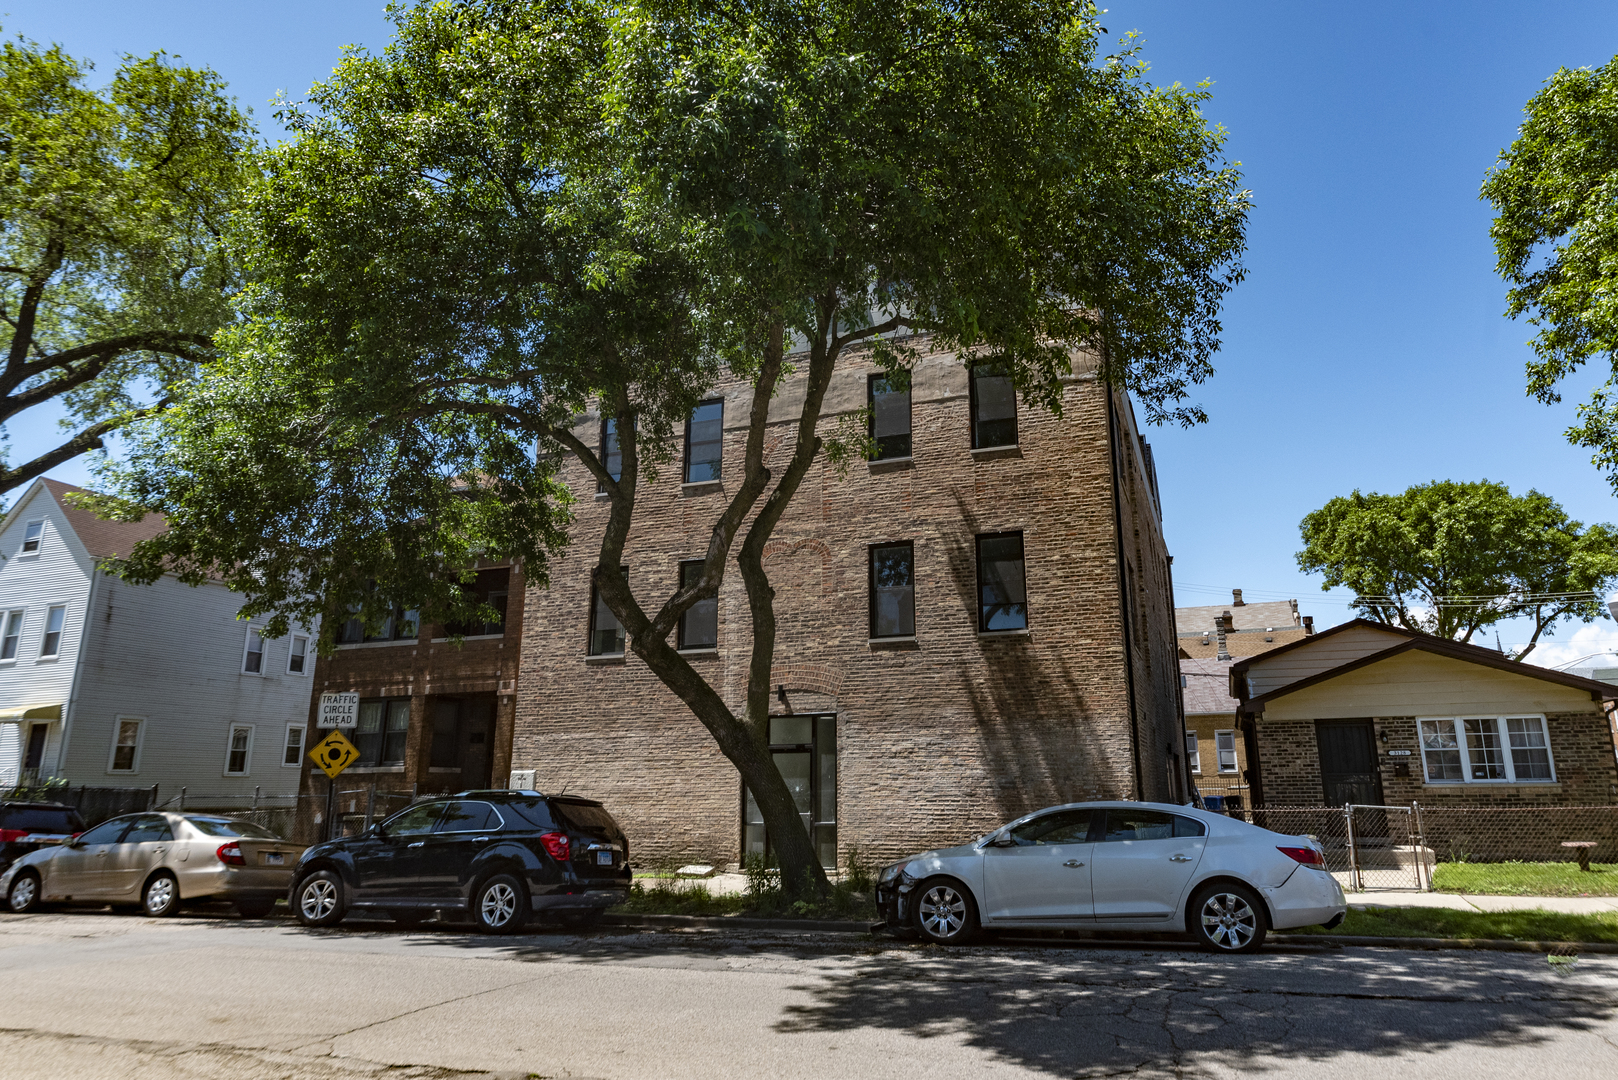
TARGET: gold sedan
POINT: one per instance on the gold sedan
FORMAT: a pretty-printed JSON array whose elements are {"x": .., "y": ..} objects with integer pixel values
[{"x": 157, "y": 861}]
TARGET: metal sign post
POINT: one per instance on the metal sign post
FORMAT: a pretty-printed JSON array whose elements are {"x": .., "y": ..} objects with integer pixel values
[{"x": 333, "y": 754}]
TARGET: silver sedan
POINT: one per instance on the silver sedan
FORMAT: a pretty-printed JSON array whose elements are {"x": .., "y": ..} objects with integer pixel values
[{"x": 156, "y": 861}]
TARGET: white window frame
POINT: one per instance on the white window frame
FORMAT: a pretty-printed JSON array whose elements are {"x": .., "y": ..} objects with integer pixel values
[
  {"x": 1219, "y": 753},
  {"x": 303, "y": 747},
  {"x": 140, "y": 744},
  {"x": 5, "y": 624},
  {"x": 230, "y": 737},
  {"x": 1458, "y": 729},
  {"x": 1193, "y": 752},
  {"x": 39, "y": 541},
  {"x": 264, "y": 651},
  {"x": 292, "y": 650},
  {"x": 45, "y": 632}
]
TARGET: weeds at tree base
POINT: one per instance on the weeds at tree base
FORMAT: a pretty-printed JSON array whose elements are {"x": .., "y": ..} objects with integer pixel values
[{"x": 851, "y": 897}]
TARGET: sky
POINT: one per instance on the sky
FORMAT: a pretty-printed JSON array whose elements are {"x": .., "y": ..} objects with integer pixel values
[{"x": 1365, "y": 349}]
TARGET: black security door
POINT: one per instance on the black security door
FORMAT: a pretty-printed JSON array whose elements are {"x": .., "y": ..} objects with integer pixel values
[{"x": 1348, "y": 762}]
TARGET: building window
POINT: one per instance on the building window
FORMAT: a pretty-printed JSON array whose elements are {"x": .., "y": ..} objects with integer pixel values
[
  {"x": 699, "y": 626},
  {"x": 402, "y": 624},
  {"x": 381, "y": 731},
  {"x": 1002, "y": 595},
  {"x": 126, "y": 742},
  {"x": 704, "y": 442},
  {"x": 491, "y": 587},
  {"x": 292, "y": 753},
  {"x": 994, "y": 407},
  {"x": 298, "y": 655},
  {"x": 1488, "y": 749},
  {"x": 32, "y": 534},
  {"x": 606, "y": 632},
  {"x": 804, "y": 749},
  {"x": 1193, "y": 752},
  {"x": 893, "y": 590},
  {"x": 239, "y": 751},
  {"x": 611, "y": 454},
  {"x": 13, "y": 634},
  {"x": 890, "y": 418},
  {"x": 51, "y": 644},
  {"x": 1225, "y": 746},
  {"x": 253, "y": 653}
]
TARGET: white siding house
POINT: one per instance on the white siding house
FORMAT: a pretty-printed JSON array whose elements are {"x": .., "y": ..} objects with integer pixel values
[{"x": 115, "y": 685}]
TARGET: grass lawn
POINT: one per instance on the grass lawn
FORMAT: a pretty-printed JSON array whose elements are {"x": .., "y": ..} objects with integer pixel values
[
  {"x": 1500, "y": 925},
  {"x": 1526, "y": 879}
]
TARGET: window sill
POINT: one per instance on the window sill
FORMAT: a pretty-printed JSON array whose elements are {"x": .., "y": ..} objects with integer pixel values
[
  {"x": 606, "y": 659},
  {"x": 706, "y": 650},
  {"x": 468, "y": 637},
  {"x": 1474, "y": 785},
  {"x": 892, "y": 464},
  {"x": 989, "y": 453},
  {"x": 1003, "y": 633},
  {"x": 702, "y": 487},
  {"x": 375, "y": 644},
  {"x": 374, "y": 769},
  {"x": 443, "y": 769},
  {"x": 51, "y": 659},
  {"x": 905, "y": 642},
  {"x": 601, "y": 496}
]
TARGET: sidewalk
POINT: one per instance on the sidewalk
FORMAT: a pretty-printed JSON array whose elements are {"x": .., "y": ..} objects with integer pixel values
[{"x": 1571, "y": 905}]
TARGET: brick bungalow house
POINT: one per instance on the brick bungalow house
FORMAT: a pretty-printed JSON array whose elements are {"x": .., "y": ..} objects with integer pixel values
[
  {"x": 433, "y": 717},
  {"x": 976, "y": 624},
  {"x": 1373, "y": 714}
]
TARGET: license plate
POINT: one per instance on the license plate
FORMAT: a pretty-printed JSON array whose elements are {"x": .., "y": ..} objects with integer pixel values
[
  {"x": 603, "y": 858},
  {"x": 274, "y": 858}
]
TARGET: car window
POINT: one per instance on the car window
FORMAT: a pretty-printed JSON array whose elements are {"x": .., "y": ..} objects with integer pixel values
[
  {"x": 1139, "y": 825},
  {"x": 147, "y": 829},
  {"x": 414, "y": 821},
  {"x": 40, "y": 819},
  {"x": 585, "y": 817},
  {"x": 218, "y": 826},
  {"x": 468, "y": 816},
  {"x": 1184, "y": 826},
  {"x": 526, "y": 813},
  {"x": 1060, "y": 827},
  {"x": 107, "y": 832}
]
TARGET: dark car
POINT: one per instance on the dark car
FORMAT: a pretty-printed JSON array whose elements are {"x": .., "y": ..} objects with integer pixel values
[
  {"x": 499, "y": 856},
  {"x": 29, "y": 826}
]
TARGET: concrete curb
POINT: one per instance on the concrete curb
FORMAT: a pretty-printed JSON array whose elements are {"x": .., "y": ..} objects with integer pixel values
[
  {"x": 737, "y": 922},
  {"x": 1490, "y": 944}
]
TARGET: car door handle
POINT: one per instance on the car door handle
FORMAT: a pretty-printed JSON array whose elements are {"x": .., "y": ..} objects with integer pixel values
[
  {"x": 480, "y": 839},
  {"x": 418, "y": 843},
  {"x": 1179, "y": 858},
  {"x": 1073, "y": 862}
]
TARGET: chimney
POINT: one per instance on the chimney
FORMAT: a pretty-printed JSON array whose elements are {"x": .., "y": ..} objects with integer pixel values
[
  {"x": 1238, "y": 601},
  {"x": 1222, "y": 624},
  {"x": 1308, "y": 625},
  {"x": 1294, "y": 604}
]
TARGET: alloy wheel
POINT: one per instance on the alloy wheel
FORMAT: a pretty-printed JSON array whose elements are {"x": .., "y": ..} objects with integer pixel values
[
  {"x": 23, "y": 892},
  {"x": 942, "y": 911},
  {"x": 1228, "y": 921},
  {"x": 499, "y": 905},
  {"x": 317, "y": 899}
]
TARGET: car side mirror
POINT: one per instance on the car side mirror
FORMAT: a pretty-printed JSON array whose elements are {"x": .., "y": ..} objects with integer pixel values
[
  {"x": 74, "y": 842},
  {"x": 1002, "y": 840}
]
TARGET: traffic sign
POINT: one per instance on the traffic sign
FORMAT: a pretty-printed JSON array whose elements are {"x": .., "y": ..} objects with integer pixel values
[
  {"x": 338, "y": 710},
  {"x": 334, "y": 754}
]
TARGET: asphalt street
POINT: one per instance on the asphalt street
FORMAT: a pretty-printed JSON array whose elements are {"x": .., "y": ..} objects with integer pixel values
[{"x": 206, "y": 996}]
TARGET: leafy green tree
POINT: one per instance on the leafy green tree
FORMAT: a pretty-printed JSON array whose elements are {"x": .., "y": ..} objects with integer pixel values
[
  {"x": 1451, "y": 558},
  {"x": 112, "y": 278},
  {"x": 521, "y": 211}
]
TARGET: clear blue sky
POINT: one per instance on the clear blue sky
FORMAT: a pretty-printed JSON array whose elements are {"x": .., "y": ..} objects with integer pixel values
[{"x": 1366, "y": 348}]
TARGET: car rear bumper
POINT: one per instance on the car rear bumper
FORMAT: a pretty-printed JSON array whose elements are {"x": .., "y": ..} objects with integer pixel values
[
  {"x": 1307, "y": 898},
  {"x": 592, "y": 897},
  {"x": 235, "y": 882}
]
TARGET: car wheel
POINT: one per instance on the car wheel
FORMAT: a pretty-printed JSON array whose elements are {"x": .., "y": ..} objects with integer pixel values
[
  {"x": 407, "y": 918},
  {"x": 25, "y": 893},
  {"x": 500, "y": 905},
  {"x": 319, "y": 900},
  {"x": 1228, "y": 919},
  {"x": 945, "y": 912},
  {"x": 161, "y": 897},
  {"x": 255, "y": 909}
]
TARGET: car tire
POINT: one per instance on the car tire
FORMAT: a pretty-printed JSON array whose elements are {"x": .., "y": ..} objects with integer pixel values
[
  {"x": 26, "y": 893},
  {"x": 319, "y": 900},
  {"x": 160, "y": 897},
  {"x": 500, "y": 905},
  {"x": 1227, "y": 918},
  {"x": 407, "y": 918},
  {"x": 255, "y": 909},
  {"x": 946, "y": 914}
]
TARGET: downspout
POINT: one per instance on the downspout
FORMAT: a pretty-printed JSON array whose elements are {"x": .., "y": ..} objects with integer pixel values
[{"x": 1123, "y": 586}]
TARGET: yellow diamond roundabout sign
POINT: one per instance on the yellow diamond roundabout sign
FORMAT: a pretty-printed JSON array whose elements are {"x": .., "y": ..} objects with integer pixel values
[{"x": 333, "y": 754}]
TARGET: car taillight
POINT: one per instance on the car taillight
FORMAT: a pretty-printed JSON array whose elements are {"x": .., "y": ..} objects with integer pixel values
[
  {"x": 556, "y": 844},
  {"x": 1306, "y": 855},
  {"x": 231, "y": 854},
  {"x": 8, "y": 835}
]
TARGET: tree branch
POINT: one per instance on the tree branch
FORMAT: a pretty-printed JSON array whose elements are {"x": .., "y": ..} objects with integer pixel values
[{"x": 91, "y": 438}]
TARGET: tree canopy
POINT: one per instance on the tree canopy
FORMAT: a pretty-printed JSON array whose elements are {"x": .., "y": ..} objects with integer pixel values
[
  {"x": 112, "y": 204},
  {"x": 1450, "y": 558},
  {"x": 519, "y": 212}
]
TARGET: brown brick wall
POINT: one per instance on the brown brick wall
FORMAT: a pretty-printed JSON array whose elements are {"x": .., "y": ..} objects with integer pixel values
[{"x": 937, "y": 739}]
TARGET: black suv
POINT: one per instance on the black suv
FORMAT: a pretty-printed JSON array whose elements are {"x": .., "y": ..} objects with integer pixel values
[
  {"x": 499, "y": 856},
  {"x": 27, "y": 826}
]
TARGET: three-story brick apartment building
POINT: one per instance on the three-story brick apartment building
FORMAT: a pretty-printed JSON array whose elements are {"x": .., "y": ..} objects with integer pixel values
[{"x": 976, "y": 624}]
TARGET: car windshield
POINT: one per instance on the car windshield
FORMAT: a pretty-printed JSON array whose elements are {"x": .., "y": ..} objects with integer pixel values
[
  {"x": 41, "y": 819},
  {"x": 218, "y": 826}
]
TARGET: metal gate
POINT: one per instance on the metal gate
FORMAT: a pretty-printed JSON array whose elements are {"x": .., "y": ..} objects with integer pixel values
[{"x": 1385, "y": 848}]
